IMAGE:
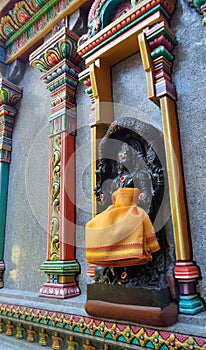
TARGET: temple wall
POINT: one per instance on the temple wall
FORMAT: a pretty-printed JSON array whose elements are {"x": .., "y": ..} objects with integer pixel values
[
  {"x": 26, "y": 225},
  {"x": 26, "y": 228},
  {"x": 130, "y": 93}
]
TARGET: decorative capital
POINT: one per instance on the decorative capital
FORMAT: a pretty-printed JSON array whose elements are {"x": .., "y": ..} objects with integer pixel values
[
  {"x": 61, "y": 46},
  {"x": 84, "y": 78},
  {"x": 161, "y": 41},
  {"x": 10, "y": 94},
  {"x": 58, "y": 59}
]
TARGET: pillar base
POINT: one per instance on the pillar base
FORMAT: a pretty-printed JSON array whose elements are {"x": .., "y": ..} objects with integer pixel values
[
  {"x": 61, "y": 275},
  {"x": 138, "y": 295},
  {"x": 186, "y": 270},
  {"x": 59, "y": 291},
  {"x": 190, "y": 304},
  {"x": 2, "y": 269},
  {"x": 61, "y": 267}
]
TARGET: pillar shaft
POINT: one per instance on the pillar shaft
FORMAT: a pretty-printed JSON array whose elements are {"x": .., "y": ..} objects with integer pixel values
[
  {"x": 157, "y": 44},
  {"x": 10, "y": 94},
  {"x": 98, "y": 81}
]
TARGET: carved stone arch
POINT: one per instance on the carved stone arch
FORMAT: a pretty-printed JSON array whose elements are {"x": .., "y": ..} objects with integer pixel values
[
  {"x": 108, "y": 9},
  {"x": 100, "y": 14}
]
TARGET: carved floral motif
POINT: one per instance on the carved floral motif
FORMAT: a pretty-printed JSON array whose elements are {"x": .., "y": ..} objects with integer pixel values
[
  {"x": 134, "y": 16},
  {"x": 63, "y": 46},
  {"x": 10, "y": 94},
  {"x": 55, "y": 220},
  {"x": 18, "y": 16}
]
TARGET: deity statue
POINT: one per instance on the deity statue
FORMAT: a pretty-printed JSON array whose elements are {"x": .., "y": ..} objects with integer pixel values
[
  {"x": 128, "y": 170},
  {"x": 132, "y": 172}
]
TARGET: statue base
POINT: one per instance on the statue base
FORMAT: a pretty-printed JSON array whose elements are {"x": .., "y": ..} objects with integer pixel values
[
  {"x": 147, "y": 305},
  {"x": 146, "y": 315},
  {"x": 136, "y": 295}
]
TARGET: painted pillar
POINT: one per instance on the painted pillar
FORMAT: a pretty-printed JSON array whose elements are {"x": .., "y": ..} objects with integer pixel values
[
  {"x": 58, "y": 60},
  {"x": 10, "y": 94},
  {"x": 97, "y": 80},
  {"x": 156, "y": 45}
]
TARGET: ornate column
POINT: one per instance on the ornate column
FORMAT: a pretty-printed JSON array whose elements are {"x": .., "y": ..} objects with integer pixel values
[
  {"x": 58, "y": 59},
  {"x": 156, "y": 45},
  {"x": 98, "y": 82},
  {"x": 10, "y": 94}
]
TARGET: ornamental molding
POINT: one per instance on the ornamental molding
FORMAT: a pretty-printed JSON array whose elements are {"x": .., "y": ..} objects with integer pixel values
[
  {"x": 28, "y": 23},
  {"x": 58, "y": 325}
]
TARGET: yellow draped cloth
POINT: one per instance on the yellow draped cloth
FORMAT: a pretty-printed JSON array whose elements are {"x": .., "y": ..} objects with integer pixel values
[{"x": 122, "y": 235}]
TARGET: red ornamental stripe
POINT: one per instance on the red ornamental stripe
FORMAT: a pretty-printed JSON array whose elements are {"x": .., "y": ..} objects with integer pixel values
[
  {"x": 120, "y": 257},
  {"x": 117, "y": 247},
  {"x": 151, "y": 239}
]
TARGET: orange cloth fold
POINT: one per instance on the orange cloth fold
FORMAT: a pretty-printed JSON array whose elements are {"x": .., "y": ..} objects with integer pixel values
[{"x": 122, "y": 235}]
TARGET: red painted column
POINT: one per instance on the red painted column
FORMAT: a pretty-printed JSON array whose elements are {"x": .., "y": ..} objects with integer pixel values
[
  {"x": 58, "y": 59},
  {"x": 67, "y": 196}
]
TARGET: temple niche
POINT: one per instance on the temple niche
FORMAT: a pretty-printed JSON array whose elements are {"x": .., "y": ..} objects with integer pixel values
[
  {"x": 102, "y": 123},
  {"x": 118, "y": 166},
  {"x": 131, "y": 159}
]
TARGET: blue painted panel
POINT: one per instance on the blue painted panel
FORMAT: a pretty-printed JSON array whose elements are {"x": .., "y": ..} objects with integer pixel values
[
  {"x": 2, "y": 54},
  {"x": 4, "y": 176}
]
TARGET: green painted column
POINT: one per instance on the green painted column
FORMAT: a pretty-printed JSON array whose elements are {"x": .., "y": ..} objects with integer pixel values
[{"x": 10, "y": 94}]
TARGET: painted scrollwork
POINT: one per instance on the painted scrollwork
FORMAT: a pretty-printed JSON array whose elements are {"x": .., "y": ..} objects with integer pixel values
[
  {"x": 54, "y": 243},
  {"x": 102, "y": 13},
  {"x": 20, "y": 15}
]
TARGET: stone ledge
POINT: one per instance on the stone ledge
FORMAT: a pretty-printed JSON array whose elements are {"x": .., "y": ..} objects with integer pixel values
[{"x": 75, "y": 306}]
